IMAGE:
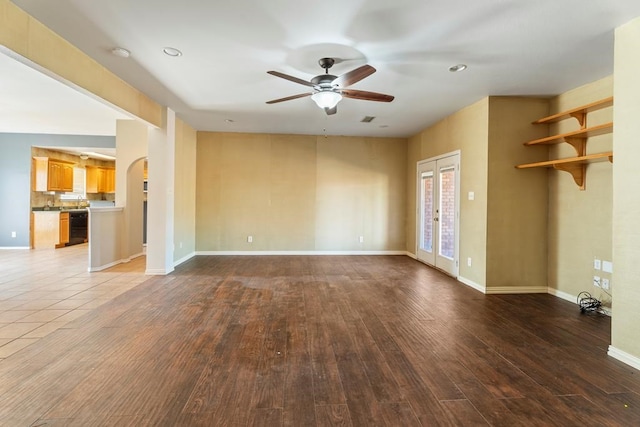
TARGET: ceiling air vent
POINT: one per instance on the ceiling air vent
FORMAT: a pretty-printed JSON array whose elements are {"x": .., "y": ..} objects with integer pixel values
[{"x": 367, "y": 119}]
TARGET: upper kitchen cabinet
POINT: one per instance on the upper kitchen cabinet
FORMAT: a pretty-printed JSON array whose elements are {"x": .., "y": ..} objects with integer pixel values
[
  {"x": 51, "y": 175},
  {"x": 101, "y": 180}
]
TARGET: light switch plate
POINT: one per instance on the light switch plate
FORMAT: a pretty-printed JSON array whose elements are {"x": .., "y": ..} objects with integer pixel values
[
  {"x": 596, "y": 264},
  {"x": 607, "y": 266},
  {"x": 472, "y": 195}
]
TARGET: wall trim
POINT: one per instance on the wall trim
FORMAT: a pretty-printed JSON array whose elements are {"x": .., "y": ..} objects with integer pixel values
[
  {"x": 574, "y": 299},
  {"x": 563, "y": 295},
  {"x": 132, "y": 257},
  {"x": 14, "y": 247},
  {"x": 505, "y": 290},
  {"x": 294, "y": 253},
  {"x": 184, "y": 259},
  {"x": 104, "y": 267},
  {"x": 411, "y": 255},
  {"x": 114, "y": 263},
  {"x": 624, "y": 357},
  {"x": 157, "y": 272},
  {"x": 472, "y": 284}
]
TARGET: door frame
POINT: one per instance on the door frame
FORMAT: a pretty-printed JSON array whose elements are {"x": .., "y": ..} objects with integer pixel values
[{"x": 418, "y": 224}]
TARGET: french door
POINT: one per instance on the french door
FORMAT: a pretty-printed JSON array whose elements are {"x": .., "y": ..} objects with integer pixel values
[{"x": 438, "y": 216}]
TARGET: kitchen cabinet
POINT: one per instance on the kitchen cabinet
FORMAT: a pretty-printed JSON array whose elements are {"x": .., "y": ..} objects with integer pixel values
[
  {"x": 101, "y": 180},
  {"x": 51, "y": 175},
  {"x": 64, "y": 229},
  {"x": 50, "y": 229},
  {"x": 45, "y": 229}
]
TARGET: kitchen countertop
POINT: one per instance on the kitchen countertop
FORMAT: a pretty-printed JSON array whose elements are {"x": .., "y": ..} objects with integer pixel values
[{"x": 57, "y": 209}]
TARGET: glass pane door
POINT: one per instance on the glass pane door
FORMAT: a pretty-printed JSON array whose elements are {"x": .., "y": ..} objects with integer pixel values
[
  {"x": 447, "y": 212},
  {"x": 426, "y": 241}
]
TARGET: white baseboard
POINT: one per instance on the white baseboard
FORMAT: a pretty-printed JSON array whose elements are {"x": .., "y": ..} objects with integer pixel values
[
  {"x": 506, "y": 290},
  {"x": 472, "y": 284},
  {"x": 563, "y": 295},
  {"x": 503, "y": 290},
  {"x": 114, "y": 263},
  {"x": 411, "y": 255},
  {"x": 624, "y": 357},
  {"x": 157, "y": 272},
  {"x": 294, "y": 253},
  {"x": 14, "y": 247},
  {"x": 132, "y": 257},
  {"x": 184, "y": 259},
  {"x": 574, "y": 299},
  {"x": 104, "y": 267}
]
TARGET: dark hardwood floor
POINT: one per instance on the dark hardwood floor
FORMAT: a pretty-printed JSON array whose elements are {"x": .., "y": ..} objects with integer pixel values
[{"x": 320, "y": 341}]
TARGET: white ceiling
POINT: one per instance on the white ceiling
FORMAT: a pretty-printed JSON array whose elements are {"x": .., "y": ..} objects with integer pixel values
[
  {"x": 512, "y": 47},
  {"x": 32, "y": 102}
]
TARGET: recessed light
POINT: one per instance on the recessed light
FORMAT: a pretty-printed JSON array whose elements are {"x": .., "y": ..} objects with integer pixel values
[
  {"x": 121, "y": 52},
  {"x": 457, "y": 68},
  {"x": 171, "y": 51}
]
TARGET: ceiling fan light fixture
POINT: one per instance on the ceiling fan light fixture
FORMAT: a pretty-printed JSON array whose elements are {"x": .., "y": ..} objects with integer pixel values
[{"x": 326, "y": 99}]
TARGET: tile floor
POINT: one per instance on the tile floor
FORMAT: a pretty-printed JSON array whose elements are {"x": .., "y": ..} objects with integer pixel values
[{"x": 41, "y": 291}]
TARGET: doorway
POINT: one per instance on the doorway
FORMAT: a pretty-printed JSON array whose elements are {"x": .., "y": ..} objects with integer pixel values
[{"x": 438, "y": 219}]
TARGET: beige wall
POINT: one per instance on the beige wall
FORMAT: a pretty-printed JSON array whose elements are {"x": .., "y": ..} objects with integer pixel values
[
  {"x": 467, "y": 131},
  {"x": 300, "y": 193},
  {"x": 131, "y": 149},
  {"x": 580, "y": 221},
  {"x": 626, "y": 192},
  {"x": 517, "y": 199},
  {"x": 185, "y": 191},
  {"x": 106, "y": 238}
]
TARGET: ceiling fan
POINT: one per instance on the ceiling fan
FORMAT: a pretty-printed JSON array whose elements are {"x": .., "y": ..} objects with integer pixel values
[{"x": 328, "y": 89}]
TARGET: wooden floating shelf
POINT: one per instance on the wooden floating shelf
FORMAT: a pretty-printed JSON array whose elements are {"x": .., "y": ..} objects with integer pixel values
[
  {"x": 581, "y": 133},
  {"x": 576, "y": 166},
  {"x": 580, "y": 160},
  {"x": 579, "y": 113}
]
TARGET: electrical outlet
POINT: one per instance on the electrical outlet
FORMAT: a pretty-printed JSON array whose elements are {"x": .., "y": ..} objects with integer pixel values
[
  {"x": 596, "y": 281},
  {"x": 249, "y": 239},
  {"x": 596, "y": 264},
  {"x": 605, "y": 283},
  {"x": 361, "y": 239},
  {"x": 469, "y": 262},
  {"x": 13, "y": 234}
]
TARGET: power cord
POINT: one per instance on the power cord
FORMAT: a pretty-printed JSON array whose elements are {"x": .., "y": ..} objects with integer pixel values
[{"x": 589, "y": 304}]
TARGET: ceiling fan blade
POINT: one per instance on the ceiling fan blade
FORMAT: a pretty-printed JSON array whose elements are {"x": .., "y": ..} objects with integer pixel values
[
  {"x": 290, "y": 78},
  {"x": 354, "y": 76},
  {"x": 289, "y": 98},
  {"x": 367, "y": 96},
  {"x": 331, "y": 111}
]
